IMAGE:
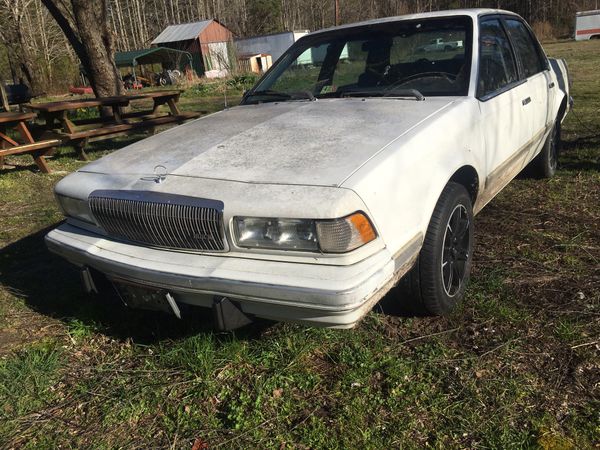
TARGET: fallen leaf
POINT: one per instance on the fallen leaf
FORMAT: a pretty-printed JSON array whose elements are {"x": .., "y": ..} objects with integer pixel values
[
  {"x": 277, "y": 393},
  {"x": 199, "y": 444}
]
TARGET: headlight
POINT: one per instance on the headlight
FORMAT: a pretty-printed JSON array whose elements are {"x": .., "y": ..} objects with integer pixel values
[
  {"x": 329, "y": 236},
  {"x": 283, "y": 234},
  {"x": 73, "y": 207}
]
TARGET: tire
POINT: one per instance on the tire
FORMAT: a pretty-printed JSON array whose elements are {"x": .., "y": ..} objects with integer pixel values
[
  {"x": 545, "y": 164},
  {"x": 437, "y": 282}
]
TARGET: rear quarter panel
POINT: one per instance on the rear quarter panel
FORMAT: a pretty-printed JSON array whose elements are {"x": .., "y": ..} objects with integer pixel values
[{"x": 560, "y": 74}]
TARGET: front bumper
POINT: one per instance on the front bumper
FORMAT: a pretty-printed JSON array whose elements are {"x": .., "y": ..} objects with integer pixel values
[{"x": 325, "y": 295}]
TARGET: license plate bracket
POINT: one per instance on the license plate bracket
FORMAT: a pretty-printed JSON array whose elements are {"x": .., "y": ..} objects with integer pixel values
[{"x": 150, "y": 298}]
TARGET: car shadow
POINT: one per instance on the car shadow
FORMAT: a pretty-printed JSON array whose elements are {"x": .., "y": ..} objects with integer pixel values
[
  {"x": 19, "y": 167},
  {"x": 571, "y": 158},
  {"x": 580, "y": 154},
  {"x": 51, "y": 286}
]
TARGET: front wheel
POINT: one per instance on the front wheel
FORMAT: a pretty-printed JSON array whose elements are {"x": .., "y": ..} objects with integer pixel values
[{"x": 437, "y": 282}]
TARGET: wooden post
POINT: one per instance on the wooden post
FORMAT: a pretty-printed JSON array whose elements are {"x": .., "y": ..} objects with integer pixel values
[
  {"x": 5, "y": 104},
  {"x": 337, "y": 12},
  {"x": 2, "y": 145},
  {"x": 80, "y": 146},
  {"x": 173, "y": 107},
  {"x": 25, "y": 134},
  {"x": 39, "y": 159}
]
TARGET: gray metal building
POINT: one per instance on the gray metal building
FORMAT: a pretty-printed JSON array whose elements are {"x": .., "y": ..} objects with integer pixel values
[{"x": 269, "y": 44}]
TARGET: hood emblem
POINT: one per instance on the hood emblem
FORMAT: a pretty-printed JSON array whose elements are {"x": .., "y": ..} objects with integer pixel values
[{"x": 160, "y": 173}]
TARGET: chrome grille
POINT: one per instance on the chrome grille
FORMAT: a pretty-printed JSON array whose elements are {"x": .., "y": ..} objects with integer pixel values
[{"x": 162, "y": 220}]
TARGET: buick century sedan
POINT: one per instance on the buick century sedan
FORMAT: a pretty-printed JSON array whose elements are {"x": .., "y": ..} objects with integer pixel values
[{"x": 357, "y": 161}]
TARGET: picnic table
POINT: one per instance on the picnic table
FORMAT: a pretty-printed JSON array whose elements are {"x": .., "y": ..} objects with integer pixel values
[
  {"x": 10, "y": 145},
  {"x": 55, "y": 116}
]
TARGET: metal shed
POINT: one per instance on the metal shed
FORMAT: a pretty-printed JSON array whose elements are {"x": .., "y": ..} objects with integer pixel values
[
  {"x": 269, "y": 44},
  {"x": 208, "y": 41}
]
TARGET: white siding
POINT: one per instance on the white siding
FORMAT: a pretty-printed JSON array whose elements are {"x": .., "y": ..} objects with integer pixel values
[{"x": 272, "y": 44}]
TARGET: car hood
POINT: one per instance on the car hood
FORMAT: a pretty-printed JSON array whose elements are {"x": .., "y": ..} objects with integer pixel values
[{"x": 317, "y": 143}]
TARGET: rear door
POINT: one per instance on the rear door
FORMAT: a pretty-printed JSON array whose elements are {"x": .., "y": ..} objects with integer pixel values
[
  {"x": 535, "y": 70},
  {"x": 501, "y": 91}
]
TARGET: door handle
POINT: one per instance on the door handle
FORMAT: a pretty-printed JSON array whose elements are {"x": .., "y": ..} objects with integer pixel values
[
  {"x": 527, "y": 101},
  {"x": 551, "y": 85}
]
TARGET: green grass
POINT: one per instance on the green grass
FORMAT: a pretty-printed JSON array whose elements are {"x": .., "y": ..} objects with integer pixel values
[{"x": 515, "y": 367}]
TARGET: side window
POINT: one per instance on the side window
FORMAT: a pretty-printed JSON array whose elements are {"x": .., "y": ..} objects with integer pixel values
[
  {"x": 527, "y": 49},
  {"x": 497, "y": 67}
]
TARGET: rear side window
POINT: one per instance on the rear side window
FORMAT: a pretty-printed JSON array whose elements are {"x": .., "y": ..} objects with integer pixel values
[
  {"x": 497, "y": 67},
  {"x": 527, "y": 49}
]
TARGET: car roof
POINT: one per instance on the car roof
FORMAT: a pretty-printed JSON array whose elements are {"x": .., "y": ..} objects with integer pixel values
[{"x": 471, "y": 12}]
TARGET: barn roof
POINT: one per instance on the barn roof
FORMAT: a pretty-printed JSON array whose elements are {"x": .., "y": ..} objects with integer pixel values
[{"x": 182, "y": 32}]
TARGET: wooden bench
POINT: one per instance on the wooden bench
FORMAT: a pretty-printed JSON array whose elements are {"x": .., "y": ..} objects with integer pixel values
[
  {"x": 115, "y": 128},
  {"x": 80, "y": 132},
  {"x": 10, "y": 146}
]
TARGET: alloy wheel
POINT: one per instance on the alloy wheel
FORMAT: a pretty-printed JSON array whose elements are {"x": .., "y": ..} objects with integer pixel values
[{"x": 455, "y": 250}]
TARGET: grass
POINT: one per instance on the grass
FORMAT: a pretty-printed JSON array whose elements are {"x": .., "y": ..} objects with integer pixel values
[{"x": 517, "y": 366}]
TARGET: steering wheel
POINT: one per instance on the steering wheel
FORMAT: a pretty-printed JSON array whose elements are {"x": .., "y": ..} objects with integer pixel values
[{"x": 447, "y": 75}]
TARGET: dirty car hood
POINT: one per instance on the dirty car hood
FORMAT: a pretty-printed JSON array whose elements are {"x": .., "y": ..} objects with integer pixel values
[{"x": 316, "y": 143}]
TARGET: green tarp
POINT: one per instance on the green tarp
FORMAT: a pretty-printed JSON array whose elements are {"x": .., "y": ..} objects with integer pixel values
[{"x": 155, "y": 55}]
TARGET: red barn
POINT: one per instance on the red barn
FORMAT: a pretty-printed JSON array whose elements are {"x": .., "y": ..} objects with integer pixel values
[{"x": 209, "y": 43}]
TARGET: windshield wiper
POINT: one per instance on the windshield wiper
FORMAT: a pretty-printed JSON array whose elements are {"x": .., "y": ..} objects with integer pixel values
[
  {"x": 405, "y": 93},
  {"x": 386, "y": 93},
  {"x": 269, "y": 93},
  {"x": 300, "y": 95}
]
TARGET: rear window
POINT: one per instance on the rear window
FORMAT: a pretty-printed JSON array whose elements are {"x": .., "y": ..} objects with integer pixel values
[{"x": 526, "y": 47}]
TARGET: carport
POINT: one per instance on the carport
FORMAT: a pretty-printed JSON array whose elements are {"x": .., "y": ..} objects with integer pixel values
[{"x": 167, "y": 57}]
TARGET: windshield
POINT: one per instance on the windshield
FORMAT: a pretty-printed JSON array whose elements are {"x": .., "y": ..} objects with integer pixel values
[{"x": 404, "y": 58}]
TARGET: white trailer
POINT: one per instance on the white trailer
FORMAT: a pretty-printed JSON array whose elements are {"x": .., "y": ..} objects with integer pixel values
[{"x": 587, "y": 25}]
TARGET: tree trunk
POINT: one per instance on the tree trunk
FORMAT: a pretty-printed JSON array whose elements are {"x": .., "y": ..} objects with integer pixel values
[
  {"x": 92, "y": 40},
  {"x": 91, "y": 17}
]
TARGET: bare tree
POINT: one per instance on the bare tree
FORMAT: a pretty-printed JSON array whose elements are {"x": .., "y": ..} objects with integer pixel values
[
  {"x": 87, "y": 27},
  {"x": 14, "y": 35},
  {"x": 96, "y": 28}
]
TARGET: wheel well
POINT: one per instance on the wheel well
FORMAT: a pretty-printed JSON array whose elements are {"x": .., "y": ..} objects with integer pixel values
[
  {"x": 562, "y": 110},
  {"x": 467, "y": 176},
  {"x": 595, "y": 36}
]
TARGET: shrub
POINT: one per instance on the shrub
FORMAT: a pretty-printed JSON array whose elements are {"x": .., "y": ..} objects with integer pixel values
[
  {"x": 242, "y": 81},
  {"x": 544, "y": 31}
]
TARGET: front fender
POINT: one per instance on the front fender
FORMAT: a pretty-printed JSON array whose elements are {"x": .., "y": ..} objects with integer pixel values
[{"x": 402, "y": 185}]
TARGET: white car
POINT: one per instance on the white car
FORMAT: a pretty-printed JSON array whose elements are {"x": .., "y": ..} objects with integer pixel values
[
  {"x": 330, "y": 182},
  {"x": 439, "y": 45}
]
